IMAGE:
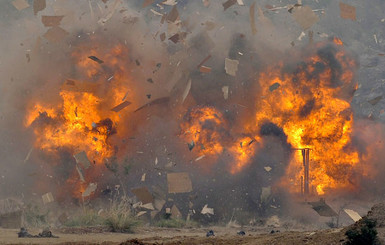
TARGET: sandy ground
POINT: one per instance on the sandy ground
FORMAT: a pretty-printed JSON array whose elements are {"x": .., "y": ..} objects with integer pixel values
[{"x": 179, "y": 236}]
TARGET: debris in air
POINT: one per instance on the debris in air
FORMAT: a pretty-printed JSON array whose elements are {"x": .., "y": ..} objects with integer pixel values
[{"x": 96, "y": 59}]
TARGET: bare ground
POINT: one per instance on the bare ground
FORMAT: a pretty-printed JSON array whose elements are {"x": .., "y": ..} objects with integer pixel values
[{"x": 178, "y": 236}]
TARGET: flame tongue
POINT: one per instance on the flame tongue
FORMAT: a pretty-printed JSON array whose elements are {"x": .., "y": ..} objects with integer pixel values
[{"x": 307, "y": 106}]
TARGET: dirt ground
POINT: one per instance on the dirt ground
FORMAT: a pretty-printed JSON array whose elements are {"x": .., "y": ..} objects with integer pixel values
[{"x": 179, "y": 236}]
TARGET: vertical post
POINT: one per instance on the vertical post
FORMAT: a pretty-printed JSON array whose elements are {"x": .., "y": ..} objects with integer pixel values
[
  {"x": 301, "y": 185},
  {"x": 305, "y": 156}
]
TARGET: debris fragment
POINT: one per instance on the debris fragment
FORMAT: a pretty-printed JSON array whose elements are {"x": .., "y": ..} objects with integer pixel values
[
  {"x": 173, "y": 15},
  {"x": 121, "y": 106},
  {"x": 204, "y": 61},
  {"x": 159, "y": 203},
  {"x": 175, "y": 213},
  {"x": 241, "y": 233},
  {"x": 225, "y": 90},
  {"x": 200, "y": 158},
  {"x": 265, "y": 194},
  {"x": 347, "y": 11},
  {"x": 301, "y": 36},
  {"x": 23, "y": 233},
  {"x": 191, "y": 145},
  {"x": 38, "y": 5},
  {"x": 143, "y": 177},
  {"x": 206, "y": 3},
  {"x": 231, "y": 66},
  {"x": 47, "y": 198},
  {"x": 150, "y": 80},
  {"x": 186, "y": 90},
  {"x": 375, "y": 100},
  {"x": 147, "y": 3},
  {"x": 305, "y": 17},
  {"x": 207, "y": 210},
  {"x": 82, "y": 159},
  {"x": 20, "y": 4},
  {"x": 252, "y": 19},
  {"x": 143, "y": 195},
  {"x": 274, "y": 86},
  {"x": 174, "y": 38},
  {"x": 148, "y": 206},
  {"x": 90, "y": 189},
  {"x": 205, "y": 69},
  {"x": 80, "y": 172},
  {"x": 228, "y": 4},
  {"x": 267, "y": 168},
  {"x": 179, "y": 182},
  {"x": 28, "y": 155},
  {"x": 162, "y": 36},
  {"x": 353, "y": 215},
  {"x": 210, "y": 233},
  {"x": 169, "y": 2},
  {"x": 154, "y": 102},
  {"x": 322, "y": 208},
  {"x": 240, "y": 2},
  {"x": 51, "y": 20},
  {"x": 55, "y": 34},
  {"x": 141, "y": 213},
  {"x": 96, "y": 59}
]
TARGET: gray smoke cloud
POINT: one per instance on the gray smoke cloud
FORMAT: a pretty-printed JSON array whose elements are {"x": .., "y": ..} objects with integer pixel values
[{"x": 32, "y": 66}]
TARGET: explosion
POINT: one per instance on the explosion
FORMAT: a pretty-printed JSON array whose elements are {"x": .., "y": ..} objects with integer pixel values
[
  {"x": 310, "y": 104},
  {"x": 88, "y": 112}
]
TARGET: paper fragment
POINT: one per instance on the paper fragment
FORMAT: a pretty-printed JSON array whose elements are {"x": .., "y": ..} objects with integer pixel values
[
  {"x": 207, "y": 210},
  {"x": 90, "y": 189},
  {"x": 347, "y": 11},
  {"x": 240, "y": 2},
  {"x": 200, "y": 158},
  {"x": 55, "y": 34},
  {"x": 28, "y": 155},
  {"x": 231, "y": 66},
  {"x": 156, "y": 161},
  {"x": 148, "y": 206},
  {"x": 51, "y": 20},
  {"x": 305, "y": 17},
  {"x": 141, "y": 213},
  {"x": 156, "y": 12},
  {"x": 20, "y": 4},
  {"x": 353, "y": 215},
  {"x": 143, "y": 177},
  {"x": 121, "y": 106},
  {"x": 186, "y": 90},
  {"x": 82, "y": 159},
  {"x": 38, "y": 5},
  {"x": 170, "y": 2},
  {"x": 143, "y": 195},
  {"x": 228, "y": 4},
  {"x": 225, "y": 90},
  {"x": 179, "y": 182},
  {"x": 267, "y": 168},
  {"x": 47, "y": 198}
]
